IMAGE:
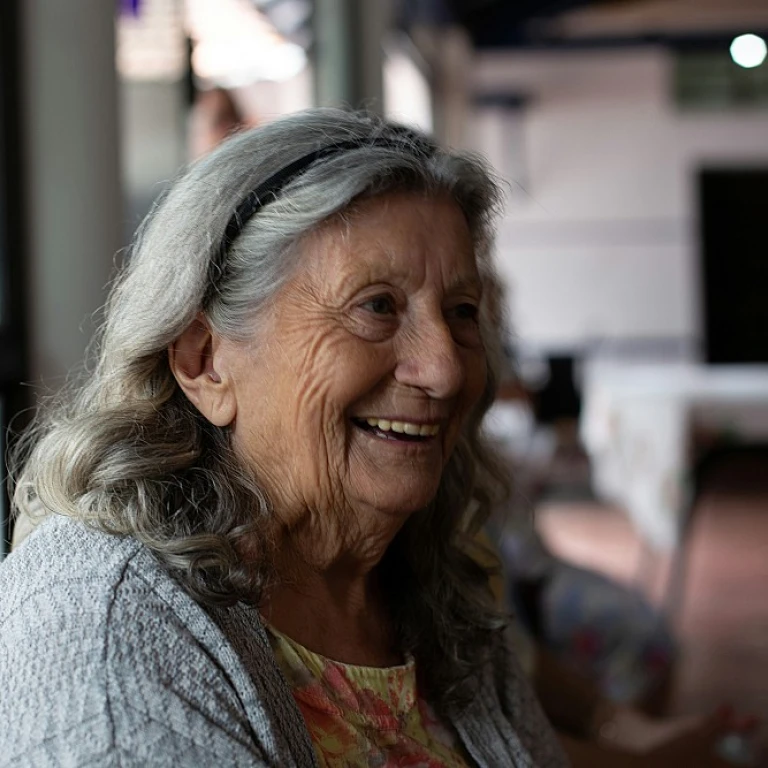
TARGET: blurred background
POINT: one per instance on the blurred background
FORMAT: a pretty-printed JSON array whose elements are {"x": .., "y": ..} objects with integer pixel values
[{"x": 632, "y": 139}]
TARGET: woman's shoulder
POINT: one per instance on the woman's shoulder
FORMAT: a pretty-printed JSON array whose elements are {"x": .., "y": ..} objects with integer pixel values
[
  {"x": 60, "y": 553},
  {"x": 102, "y": 652}
]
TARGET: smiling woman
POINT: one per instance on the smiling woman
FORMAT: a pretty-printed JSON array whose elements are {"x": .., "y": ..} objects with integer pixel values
[{"x": 278, "y": 463}]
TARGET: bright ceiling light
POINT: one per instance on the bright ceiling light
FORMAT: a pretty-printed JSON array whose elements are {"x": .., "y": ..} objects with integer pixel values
[{"x": 749, "y": 51}]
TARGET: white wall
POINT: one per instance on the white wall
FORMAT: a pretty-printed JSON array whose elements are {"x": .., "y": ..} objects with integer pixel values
[{"x": 600, "y": 243}]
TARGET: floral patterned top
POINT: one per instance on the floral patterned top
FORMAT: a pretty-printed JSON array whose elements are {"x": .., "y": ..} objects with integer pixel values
[{"x": 365, "y": 716}]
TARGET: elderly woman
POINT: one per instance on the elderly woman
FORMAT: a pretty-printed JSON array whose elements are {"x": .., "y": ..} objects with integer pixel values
[{"x": 261, "y": 503}]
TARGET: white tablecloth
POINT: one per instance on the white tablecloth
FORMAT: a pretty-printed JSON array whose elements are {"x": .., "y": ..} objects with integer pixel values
[{"x": 636, "y": 424}]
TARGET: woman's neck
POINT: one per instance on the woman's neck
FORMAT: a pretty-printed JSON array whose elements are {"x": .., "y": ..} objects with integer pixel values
[{"x": 335, "y": 612}]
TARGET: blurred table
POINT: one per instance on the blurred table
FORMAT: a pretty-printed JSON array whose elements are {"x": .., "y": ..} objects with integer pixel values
[{"x": 644, "y": 424}]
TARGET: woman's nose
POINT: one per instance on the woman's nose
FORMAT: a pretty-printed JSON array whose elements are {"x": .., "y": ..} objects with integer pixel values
[{"x": 430, "y": 359}]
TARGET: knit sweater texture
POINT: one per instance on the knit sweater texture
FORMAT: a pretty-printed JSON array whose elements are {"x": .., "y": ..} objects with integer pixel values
[{"x": 105, "y": 660}]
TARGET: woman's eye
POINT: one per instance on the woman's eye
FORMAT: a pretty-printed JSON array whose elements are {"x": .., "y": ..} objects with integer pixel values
[
  {"x": 381, "y": 305},
  {"x": 465, "y": 311}
]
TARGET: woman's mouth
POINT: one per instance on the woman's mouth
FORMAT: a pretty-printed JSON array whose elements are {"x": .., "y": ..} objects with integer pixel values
[{"x": 389, "y": 429}]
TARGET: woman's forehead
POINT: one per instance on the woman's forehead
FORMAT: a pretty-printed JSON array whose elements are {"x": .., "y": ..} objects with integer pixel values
[
  {"x": 395, "y": 238},
  {"x": 382, "y": 204}
]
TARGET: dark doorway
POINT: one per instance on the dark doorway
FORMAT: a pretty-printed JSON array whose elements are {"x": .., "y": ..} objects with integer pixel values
[{"x": 734, "y": 249}]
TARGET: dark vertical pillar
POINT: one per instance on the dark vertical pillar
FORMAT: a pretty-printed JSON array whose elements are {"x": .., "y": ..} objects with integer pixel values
[
  {"x": 13, "y": 251},
  {"x": 348, "y": 63}
]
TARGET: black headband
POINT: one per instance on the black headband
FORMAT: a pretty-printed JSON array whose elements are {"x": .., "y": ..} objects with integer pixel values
[{"x": 270, "y": 188}]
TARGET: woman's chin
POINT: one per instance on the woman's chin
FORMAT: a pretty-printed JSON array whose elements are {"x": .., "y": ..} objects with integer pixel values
[{"x": 402, "y": 500}]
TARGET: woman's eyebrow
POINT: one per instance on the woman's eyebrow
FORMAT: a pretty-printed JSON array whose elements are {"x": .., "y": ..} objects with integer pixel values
[{"x": 468, "y": 283}]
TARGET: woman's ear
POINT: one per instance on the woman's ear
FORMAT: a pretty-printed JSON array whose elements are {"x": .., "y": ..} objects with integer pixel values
[{"x": 193, "y": 359}]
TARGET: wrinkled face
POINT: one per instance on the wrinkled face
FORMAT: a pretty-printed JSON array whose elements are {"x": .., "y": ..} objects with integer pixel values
[{"x": 353, "y": 396}]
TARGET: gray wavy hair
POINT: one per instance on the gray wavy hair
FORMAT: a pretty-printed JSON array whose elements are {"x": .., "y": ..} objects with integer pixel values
[{"x": 125, "y": 451}]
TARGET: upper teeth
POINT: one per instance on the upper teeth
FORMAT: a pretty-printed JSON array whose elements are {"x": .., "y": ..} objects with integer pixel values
[{"x": 405, "y": 427}]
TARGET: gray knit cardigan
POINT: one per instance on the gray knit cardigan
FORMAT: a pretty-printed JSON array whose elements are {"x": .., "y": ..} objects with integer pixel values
[{"x": 106, "y": 661}]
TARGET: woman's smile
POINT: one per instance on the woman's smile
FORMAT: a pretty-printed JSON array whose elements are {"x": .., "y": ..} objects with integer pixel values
[
  {"x": 399, "y": 433},
  {"x": 399, "y": 430}
]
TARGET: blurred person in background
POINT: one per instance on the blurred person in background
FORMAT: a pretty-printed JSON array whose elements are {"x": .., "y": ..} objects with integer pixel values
[
  {"x": 601, "y": 658},
  {"x": 214, "y": 117}
]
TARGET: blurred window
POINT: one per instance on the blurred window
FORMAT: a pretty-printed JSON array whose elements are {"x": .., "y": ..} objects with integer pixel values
[
  {"x": 711, "y": 80},
  {"x": 150, "y": 41},
  {"x": 236, "y": 45}
]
